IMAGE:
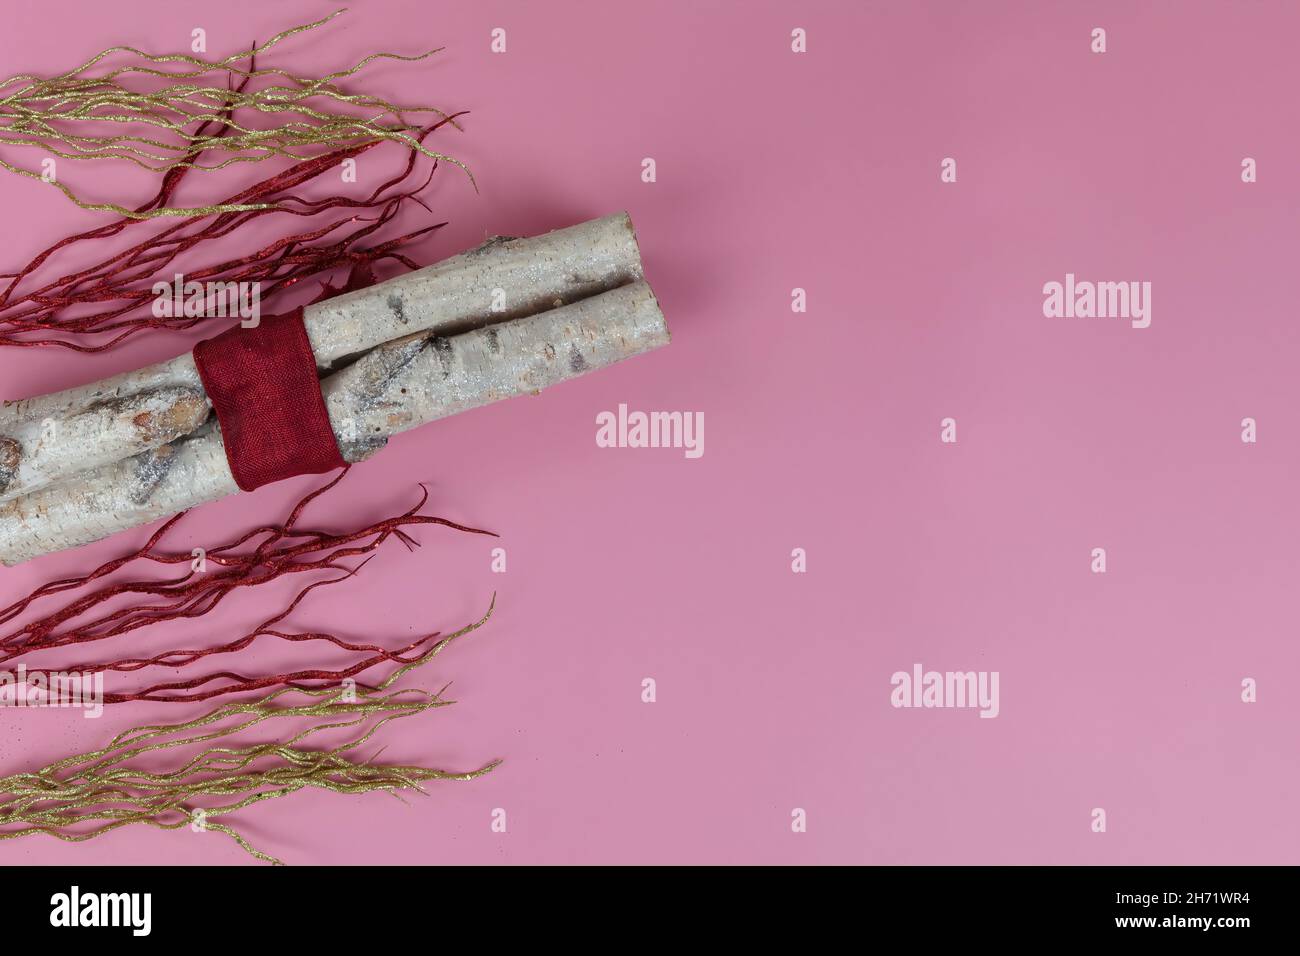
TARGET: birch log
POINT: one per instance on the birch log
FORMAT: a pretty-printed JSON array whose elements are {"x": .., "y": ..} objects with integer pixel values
[
  {"x": 52, "y": 437},
  {"x": 395, "y": 387}
]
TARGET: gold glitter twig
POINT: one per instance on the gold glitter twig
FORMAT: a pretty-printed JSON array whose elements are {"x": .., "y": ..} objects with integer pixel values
[
  {"x": 64, "y": 116},
  {"x": 87, "y": 795}
]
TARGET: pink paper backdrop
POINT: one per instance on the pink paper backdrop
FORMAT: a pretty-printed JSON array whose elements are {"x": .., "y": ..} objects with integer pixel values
[{"x": 820, "y": 170}]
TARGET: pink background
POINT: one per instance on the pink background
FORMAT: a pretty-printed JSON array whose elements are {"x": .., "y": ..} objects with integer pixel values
[{"x": 818, "y": 171}]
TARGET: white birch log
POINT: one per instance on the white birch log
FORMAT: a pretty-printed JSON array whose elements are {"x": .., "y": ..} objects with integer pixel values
[
  {"x": 425, "y": 377},
  {"x": 42, "y": 452},
  {"x": 395, "y": 387},
  {"x": 52, "y": 437}
]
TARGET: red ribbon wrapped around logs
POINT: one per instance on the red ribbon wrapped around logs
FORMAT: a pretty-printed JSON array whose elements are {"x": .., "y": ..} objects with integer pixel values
[{"x": 263, "y": 386}]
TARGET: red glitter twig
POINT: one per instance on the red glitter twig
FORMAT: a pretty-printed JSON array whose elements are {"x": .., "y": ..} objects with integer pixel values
[
  {"x": 123, "y": 283},
  {"x": 276, "y": 551}
]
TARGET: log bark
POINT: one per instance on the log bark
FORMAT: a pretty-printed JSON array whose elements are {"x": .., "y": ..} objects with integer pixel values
[
  {"x": 395, "y": 387},
  {"x": 47, "y": 439}
]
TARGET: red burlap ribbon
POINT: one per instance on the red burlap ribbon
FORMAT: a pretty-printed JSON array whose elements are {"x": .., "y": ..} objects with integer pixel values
[{"x": 263, "y": 385}]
